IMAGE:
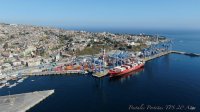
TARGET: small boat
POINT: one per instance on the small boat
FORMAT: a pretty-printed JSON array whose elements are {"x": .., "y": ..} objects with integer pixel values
[
  {"x": 7, "y": 84},
  {"x": 85, "y": 72},
  {"x": 2, "y": 85},
  {"x": 32, "y": 80},
  {"x": 126, "y": 68},
  {"x": 13, "y": 85},
  {"x": 21, "y": 80}
]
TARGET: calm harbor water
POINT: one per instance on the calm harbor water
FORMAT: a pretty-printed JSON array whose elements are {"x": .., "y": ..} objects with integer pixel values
[{"x": 169, "y": 80}]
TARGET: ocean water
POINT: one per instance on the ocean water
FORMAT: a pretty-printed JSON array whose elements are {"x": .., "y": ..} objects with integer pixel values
[{"x": 172, "y": 80}]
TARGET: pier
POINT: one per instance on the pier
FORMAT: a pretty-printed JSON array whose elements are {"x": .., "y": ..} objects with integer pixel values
[
  {"x": 186, "y": 53},
  {"x": 22, "y": 102},
  {"x": 99, "y": 75},
  {"x": 171, "y": 52},
  {"x": 157, "y": 56}
]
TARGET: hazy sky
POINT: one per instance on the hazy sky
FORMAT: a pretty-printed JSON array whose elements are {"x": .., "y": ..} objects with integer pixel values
[{"x": 164, "y": 14}]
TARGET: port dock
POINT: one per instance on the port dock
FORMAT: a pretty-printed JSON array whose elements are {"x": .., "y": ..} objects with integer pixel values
[
  {"x": 186, "y": 53},
  {"x": 22, "y": 102},
  {"x": 157, "y": 55},
  {"x": 171, "y": 52},
  {"x": 99, "y": 75}
]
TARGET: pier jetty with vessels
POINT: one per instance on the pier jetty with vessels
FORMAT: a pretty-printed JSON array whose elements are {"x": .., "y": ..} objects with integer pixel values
[
  {"x": 98, "y": 67},
  {"x": 22, "y": 102},
  {"x": 157, "y": 56}
]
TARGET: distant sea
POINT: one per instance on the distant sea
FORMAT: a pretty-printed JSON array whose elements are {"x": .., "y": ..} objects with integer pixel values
[{"x": 172, "y": 80}]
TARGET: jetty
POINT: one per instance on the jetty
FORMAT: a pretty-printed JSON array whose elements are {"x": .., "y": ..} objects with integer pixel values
[
  {"x": 22, "y": 102},
  {"x": 171, "y": 52},
  {"x": 102, "y": 74},
  {"x": 157, "y": 56},
  {"x": 186, "y": 53}
]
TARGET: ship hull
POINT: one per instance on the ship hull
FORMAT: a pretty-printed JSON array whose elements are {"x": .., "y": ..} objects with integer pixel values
[{"x": 116, "y": 74}]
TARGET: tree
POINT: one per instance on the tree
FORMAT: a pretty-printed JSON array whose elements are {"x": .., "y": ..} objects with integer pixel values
[
  {"x": 5, "y": 46},
  {"x": 129, "y": 47}
]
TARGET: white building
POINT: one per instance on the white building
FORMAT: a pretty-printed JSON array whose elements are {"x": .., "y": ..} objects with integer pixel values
[{"x": 17, "y": 63}]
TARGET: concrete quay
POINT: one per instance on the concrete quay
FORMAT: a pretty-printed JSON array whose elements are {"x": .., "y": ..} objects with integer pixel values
[
  {"x": 157, "y": 56},
  {"x": 54, "y": 73},
  {"x": 22, "y": 102},
  {"x": 186, "y": 53},
  {"x": 171, "y": 52},
  {"x": 99, "y": 75}
]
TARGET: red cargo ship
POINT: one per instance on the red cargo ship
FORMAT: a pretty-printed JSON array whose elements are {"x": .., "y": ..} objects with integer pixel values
[{"x": 126, "y": 68}]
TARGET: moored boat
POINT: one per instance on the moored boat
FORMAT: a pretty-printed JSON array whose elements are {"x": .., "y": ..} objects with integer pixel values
[
  {"x": 13, "y": 85},
  {"x": 126, "y": 68},
  {"x": 7, "y": 84},
  {"x": 2, "y": 85},
  {"x": 21, "y": 80}
]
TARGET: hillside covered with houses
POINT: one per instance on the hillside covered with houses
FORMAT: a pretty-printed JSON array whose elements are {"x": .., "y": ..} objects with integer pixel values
[{"x": 24, "y": 45}]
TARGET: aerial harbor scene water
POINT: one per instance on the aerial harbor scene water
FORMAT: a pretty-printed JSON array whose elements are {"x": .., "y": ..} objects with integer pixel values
[{"x": 93, "y": 64}]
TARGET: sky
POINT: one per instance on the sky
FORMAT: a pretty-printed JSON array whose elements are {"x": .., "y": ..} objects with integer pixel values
[{"x": 141, "y": 14}]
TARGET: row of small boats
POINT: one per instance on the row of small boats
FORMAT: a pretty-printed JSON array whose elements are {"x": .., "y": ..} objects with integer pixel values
[{"x": 5, "y": 83}]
